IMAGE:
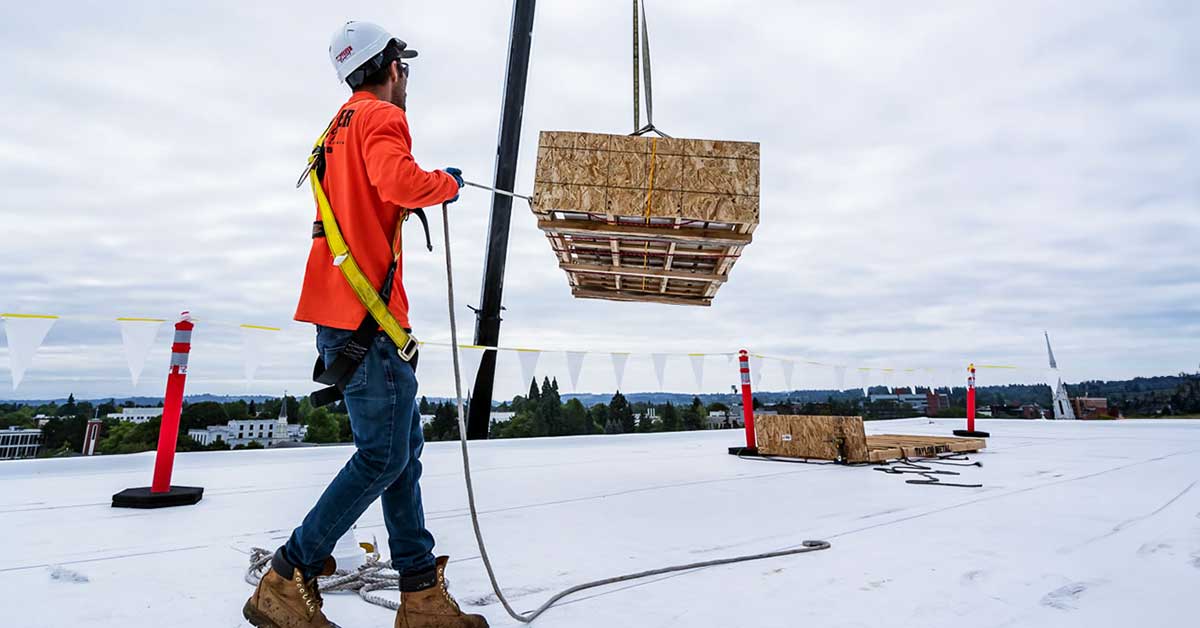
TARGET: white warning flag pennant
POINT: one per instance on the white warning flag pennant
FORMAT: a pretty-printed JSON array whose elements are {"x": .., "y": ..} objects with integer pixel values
[
  {"x": 254, "y": 343},
  {"x": 697, "y": 360},
  {"x": 137, "y": 336},
  {"x": 25, "y": 333},
  {"x": 529, "y": 360},
  {"x": 469, "y": 358},
  {"x": 863, "y": 375},
  {"x": 789, "y": 369},
  {"x": 618, "y": 364},
  {"x": 839, "y": 377},
  {"x": 887, "y": 379},
  {"x": 756, "y": 367},
  {"x": 660, "y": 368},
  {"x": 574, "y": 367}
]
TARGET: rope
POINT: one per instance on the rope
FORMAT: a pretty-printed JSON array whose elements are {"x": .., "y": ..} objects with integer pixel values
[
  {"x": 373, "y": 575},
  {"x": 649, "y": 200},
  {"x": 637, "y": 65},
  {"x": 806, "y": 546},
  {"x": 376, "y": 575}
]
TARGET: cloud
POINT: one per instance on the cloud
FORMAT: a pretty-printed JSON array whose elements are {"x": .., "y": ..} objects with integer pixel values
[{"x": 940, "y": 182}]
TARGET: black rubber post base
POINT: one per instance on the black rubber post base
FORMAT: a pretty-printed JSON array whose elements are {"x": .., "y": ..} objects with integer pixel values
[
  {"x": 743, "y": 451},
  {"x": 143, "y": 498},
  {"x": 972, "y": 434}
]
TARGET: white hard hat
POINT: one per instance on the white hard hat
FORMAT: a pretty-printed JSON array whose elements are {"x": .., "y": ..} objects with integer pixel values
[{"x": 356, "y": 44}]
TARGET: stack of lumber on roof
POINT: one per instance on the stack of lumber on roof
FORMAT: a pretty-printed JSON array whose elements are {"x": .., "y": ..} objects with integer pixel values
[
  {"x": 646, "y": 219},
  {"x": 843, "y": 438}
]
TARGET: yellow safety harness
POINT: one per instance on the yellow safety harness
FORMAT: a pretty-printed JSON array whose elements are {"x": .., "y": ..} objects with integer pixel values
[{"x": 376, "y": 302}]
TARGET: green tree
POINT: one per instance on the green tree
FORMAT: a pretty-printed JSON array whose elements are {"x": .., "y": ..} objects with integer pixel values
[
  {"x": 322, "y": 427},
  {"x": 694, "y": 417},
  {"x": 62, "y": 431},
  {"x": 645, "y": 422},
  {"x": 670, "y": 418},
  {"x": 520, "y": 426},
  {"x": 598, "y": 419},
  {"x": 304, "y": 410},
  {"x": 69, "y": 409},
  {"x": 444, "y": 425},
  {"x": 236, "y": 410},
  {"x": 576, "y": 418},
  {"x": 197, "y": 416},
  {"x": 548, "y": 417},
  {"x": 621, "y": 413},
  {"x": 107, "y": 408}
]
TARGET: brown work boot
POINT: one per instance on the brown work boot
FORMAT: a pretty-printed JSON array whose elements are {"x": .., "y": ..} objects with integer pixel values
[
  {"x": 426, "y": 603},
  {"x": 287, "y": 602}
]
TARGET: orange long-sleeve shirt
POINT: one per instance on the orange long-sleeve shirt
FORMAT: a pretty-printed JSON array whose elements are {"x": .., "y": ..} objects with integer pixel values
[{"x": 370, "y": 177}]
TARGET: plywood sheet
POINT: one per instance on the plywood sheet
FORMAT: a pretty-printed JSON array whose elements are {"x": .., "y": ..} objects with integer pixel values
[
  {"x": 817, "y": 437},
  {"x": 590, "y": 188},
  {"x": 886, "y": 447}
]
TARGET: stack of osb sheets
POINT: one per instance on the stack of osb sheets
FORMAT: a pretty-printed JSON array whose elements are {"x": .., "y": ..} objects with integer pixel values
[{"x": 646, "y": 219}]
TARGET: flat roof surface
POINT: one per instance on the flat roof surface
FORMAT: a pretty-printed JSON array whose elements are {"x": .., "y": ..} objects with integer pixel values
[{"x": 1078, "y": 524}]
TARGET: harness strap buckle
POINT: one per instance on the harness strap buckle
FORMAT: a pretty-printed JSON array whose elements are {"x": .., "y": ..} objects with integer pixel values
[{"x": 409, "y": 349}]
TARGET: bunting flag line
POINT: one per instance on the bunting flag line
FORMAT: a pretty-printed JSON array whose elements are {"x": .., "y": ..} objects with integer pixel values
[
  {"x": 756, "y": 366},
  {"x": 862, "y": 376},
  {"x": 253, "y": 347},
  {"x": 25, "y": 333},
  {"x": 469, "y": 359},
  {"x": 137, "y": 336},
  {"x": 574, "y": 367},
  {"x": 789, "y": 369},
  {"x": 697, "y": 360},
  {"x": 529, "y": 360},
  {"x": 618, "y": 364},
  {"x": 660, "y": 368},
  {"x": 839, "y": 377}
]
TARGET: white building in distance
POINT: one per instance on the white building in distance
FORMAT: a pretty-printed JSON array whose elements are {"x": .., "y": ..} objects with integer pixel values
[
  {"x": 137, "y": 415},
  {"x": 16, "y": 443},
  {"x": 266, "y": 432}
]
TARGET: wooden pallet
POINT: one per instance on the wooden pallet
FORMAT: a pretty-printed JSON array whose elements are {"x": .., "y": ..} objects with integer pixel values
[
  {"x": 646, "y": 219},
  {"x": 843, "y": 438},
  {"x": 886, "y": 447}
]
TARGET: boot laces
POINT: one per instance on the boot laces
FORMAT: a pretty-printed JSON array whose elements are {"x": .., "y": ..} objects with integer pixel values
[
  {"x": 445, "y": 586},
  {"x": 309, "y": 592}
]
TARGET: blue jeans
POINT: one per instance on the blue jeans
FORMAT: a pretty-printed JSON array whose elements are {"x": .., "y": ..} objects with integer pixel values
[{"x": 381, "y": 400}]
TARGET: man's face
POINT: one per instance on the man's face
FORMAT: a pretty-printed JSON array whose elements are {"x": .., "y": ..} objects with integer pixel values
[{"x": 399, "y": 96}]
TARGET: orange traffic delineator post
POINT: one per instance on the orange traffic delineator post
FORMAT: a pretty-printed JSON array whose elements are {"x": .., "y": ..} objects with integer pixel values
[
  {"x": 751, "y": 448},
  {"x": 160, "y": 494},
  {"x": 970, "y": 431}
]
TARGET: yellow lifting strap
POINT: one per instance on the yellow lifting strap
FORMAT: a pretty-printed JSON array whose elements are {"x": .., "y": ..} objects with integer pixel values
[{"x": 342, "y": 258}]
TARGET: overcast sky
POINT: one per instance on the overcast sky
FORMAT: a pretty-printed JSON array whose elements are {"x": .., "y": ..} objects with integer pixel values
[{"x": 941, "y": 181}]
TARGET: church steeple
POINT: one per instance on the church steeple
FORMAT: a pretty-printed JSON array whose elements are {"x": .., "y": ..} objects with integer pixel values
[
  {"x": 1062, "y": 402},
  {"x": 283, "y": 415}
]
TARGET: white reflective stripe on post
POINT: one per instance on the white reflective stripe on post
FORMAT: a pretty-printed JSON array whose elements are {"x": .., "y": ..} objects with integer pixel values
[{"x": 183, "y": 336}]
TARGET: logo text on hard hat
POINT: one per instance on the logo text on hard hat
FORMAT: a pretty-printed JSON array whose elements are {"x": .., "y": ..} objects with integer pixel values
[{"x": 341, "y": 56}]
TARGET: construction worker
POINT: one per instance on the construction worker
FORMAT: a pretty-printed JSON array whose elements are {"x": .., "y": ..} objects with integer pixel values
[{"x": 364, "y": 166}]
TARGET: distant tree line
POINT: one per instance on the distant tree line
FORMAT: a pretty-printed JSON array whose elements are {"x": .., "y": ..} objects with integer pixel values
[{"x": 542, "y": 412}]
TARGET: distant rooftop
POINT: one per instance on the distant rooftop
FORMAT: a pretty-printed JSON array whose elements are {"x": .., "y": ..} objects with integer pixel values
[{"x": 1078, "y": 524}]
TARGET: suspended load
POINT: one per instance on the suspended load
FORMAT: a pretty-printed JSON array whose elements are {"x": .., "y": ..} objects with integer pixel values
[{"x": 651, "y": 219}]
